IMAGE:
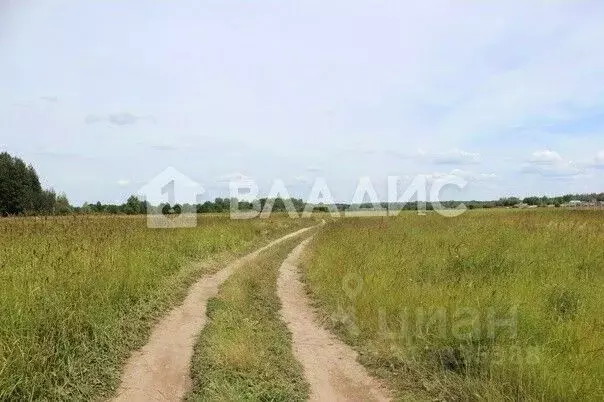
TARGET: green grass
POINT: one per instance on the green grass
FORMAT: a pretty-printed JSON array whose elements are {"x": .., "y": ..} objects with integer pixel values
[
  {"x": 244, "y": 353},
  {"x": 79, "y": 293},
  {"x": 416, "y": 296}
]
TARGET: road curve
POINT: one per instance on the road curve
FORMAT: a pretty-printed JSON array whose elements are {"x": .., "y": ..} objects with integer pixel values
[{"x": 160, "y": 370}]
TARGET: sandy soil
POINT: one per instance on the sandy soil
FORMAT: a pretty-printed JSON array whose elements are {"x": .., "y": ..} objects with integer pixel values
[
  {"x": 159, "y": 371},
  {"x": 330, "y": 366}
]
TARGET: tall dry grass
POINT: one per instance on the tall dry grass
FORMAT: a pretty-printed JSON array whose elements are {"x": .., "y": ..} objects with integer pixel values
[
  {"x": 79, "y": 293},
  {"x": 490, "y": 305}
]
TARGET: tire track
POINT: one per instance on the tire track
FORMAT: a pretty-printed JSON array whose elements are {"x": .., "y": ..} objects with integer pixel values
[
  {"x": 160, "y": 370},
  {"x": 330, "y": 366}
]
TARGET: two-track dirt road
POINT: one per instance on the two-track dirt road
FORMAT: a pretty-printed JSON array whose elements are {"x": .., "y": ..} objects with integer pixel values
[{"x": 160, "y": 370}]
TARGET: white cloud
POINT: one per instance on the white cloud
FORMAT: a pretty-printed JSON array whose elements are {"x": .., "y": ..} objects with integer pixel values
[
  {"x": 546, "y": 157},
  {"x": 548, "y": 163},
  {"x": 598, "y": 160},
  {"x": 566, "y": 169},
  {"x": 123, "y": 182},
  {"x": 452, "y": 157},
  {"x": 461, "y": 174}
]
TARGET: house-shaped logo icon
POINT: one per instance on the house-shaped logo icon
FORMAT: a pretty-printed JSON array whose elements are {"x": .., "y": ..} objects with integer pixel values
[{"x": 172, "y": 198}]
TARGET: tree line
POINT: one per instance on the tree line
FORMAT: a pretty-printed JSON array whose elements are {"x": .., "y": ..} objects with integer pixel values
[
  {"x": 136, "y": 206},
  {"x": 21, "y": 194}
]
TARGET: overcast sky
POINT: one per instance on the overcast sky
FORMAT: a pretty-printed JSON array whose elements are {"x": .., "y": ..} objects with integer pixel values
[{"x": 100, "y": 96}]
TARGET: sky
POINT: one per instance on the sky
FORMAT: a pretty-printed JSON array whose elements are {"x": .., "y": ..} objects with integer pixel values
[{"x": 101, "y": 97}]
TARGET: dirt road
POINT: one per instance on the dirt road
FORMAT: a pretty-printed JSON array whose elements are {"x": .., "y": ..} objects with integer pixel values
[
  {"x": 330, "y": 366},
  {"x": 159, "y": 371}
]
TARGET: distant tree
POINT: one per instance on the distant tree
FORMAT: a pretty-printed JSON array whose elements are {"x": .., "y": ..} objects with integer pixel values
[
  {"x": 279, "y": 205},
  {"x": 97, "y": 207},
  {"x": 299, "y": 204},
  {"x": 132, "y": 206},
  {"x": 245, "y": 206},
  {"x": 62, "y": 206},
  {"x": 143, "y": 207},
  {"x": 112, "y": 209},
  {"x": 320, "y": 208},
  {"x": 222, "y": 204},
  {"x": 507, "y": 202},
  {"x": 20, "y": 189},
  {"x": 206, "y": 207},
  {"x": 532, "y": 200},
  {"x": 85, "y": 209},
  {"x": 167, "y": 209},
  {"x": 48, "y": 201}
]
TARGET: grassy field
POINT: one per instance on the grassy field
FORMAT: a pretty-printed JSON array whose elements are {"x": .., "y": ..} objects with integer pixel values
[
  {"x": 244, "y": 353},
  {"x": 499, "y": 305},
  {"x": 79, "y": 293}
]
